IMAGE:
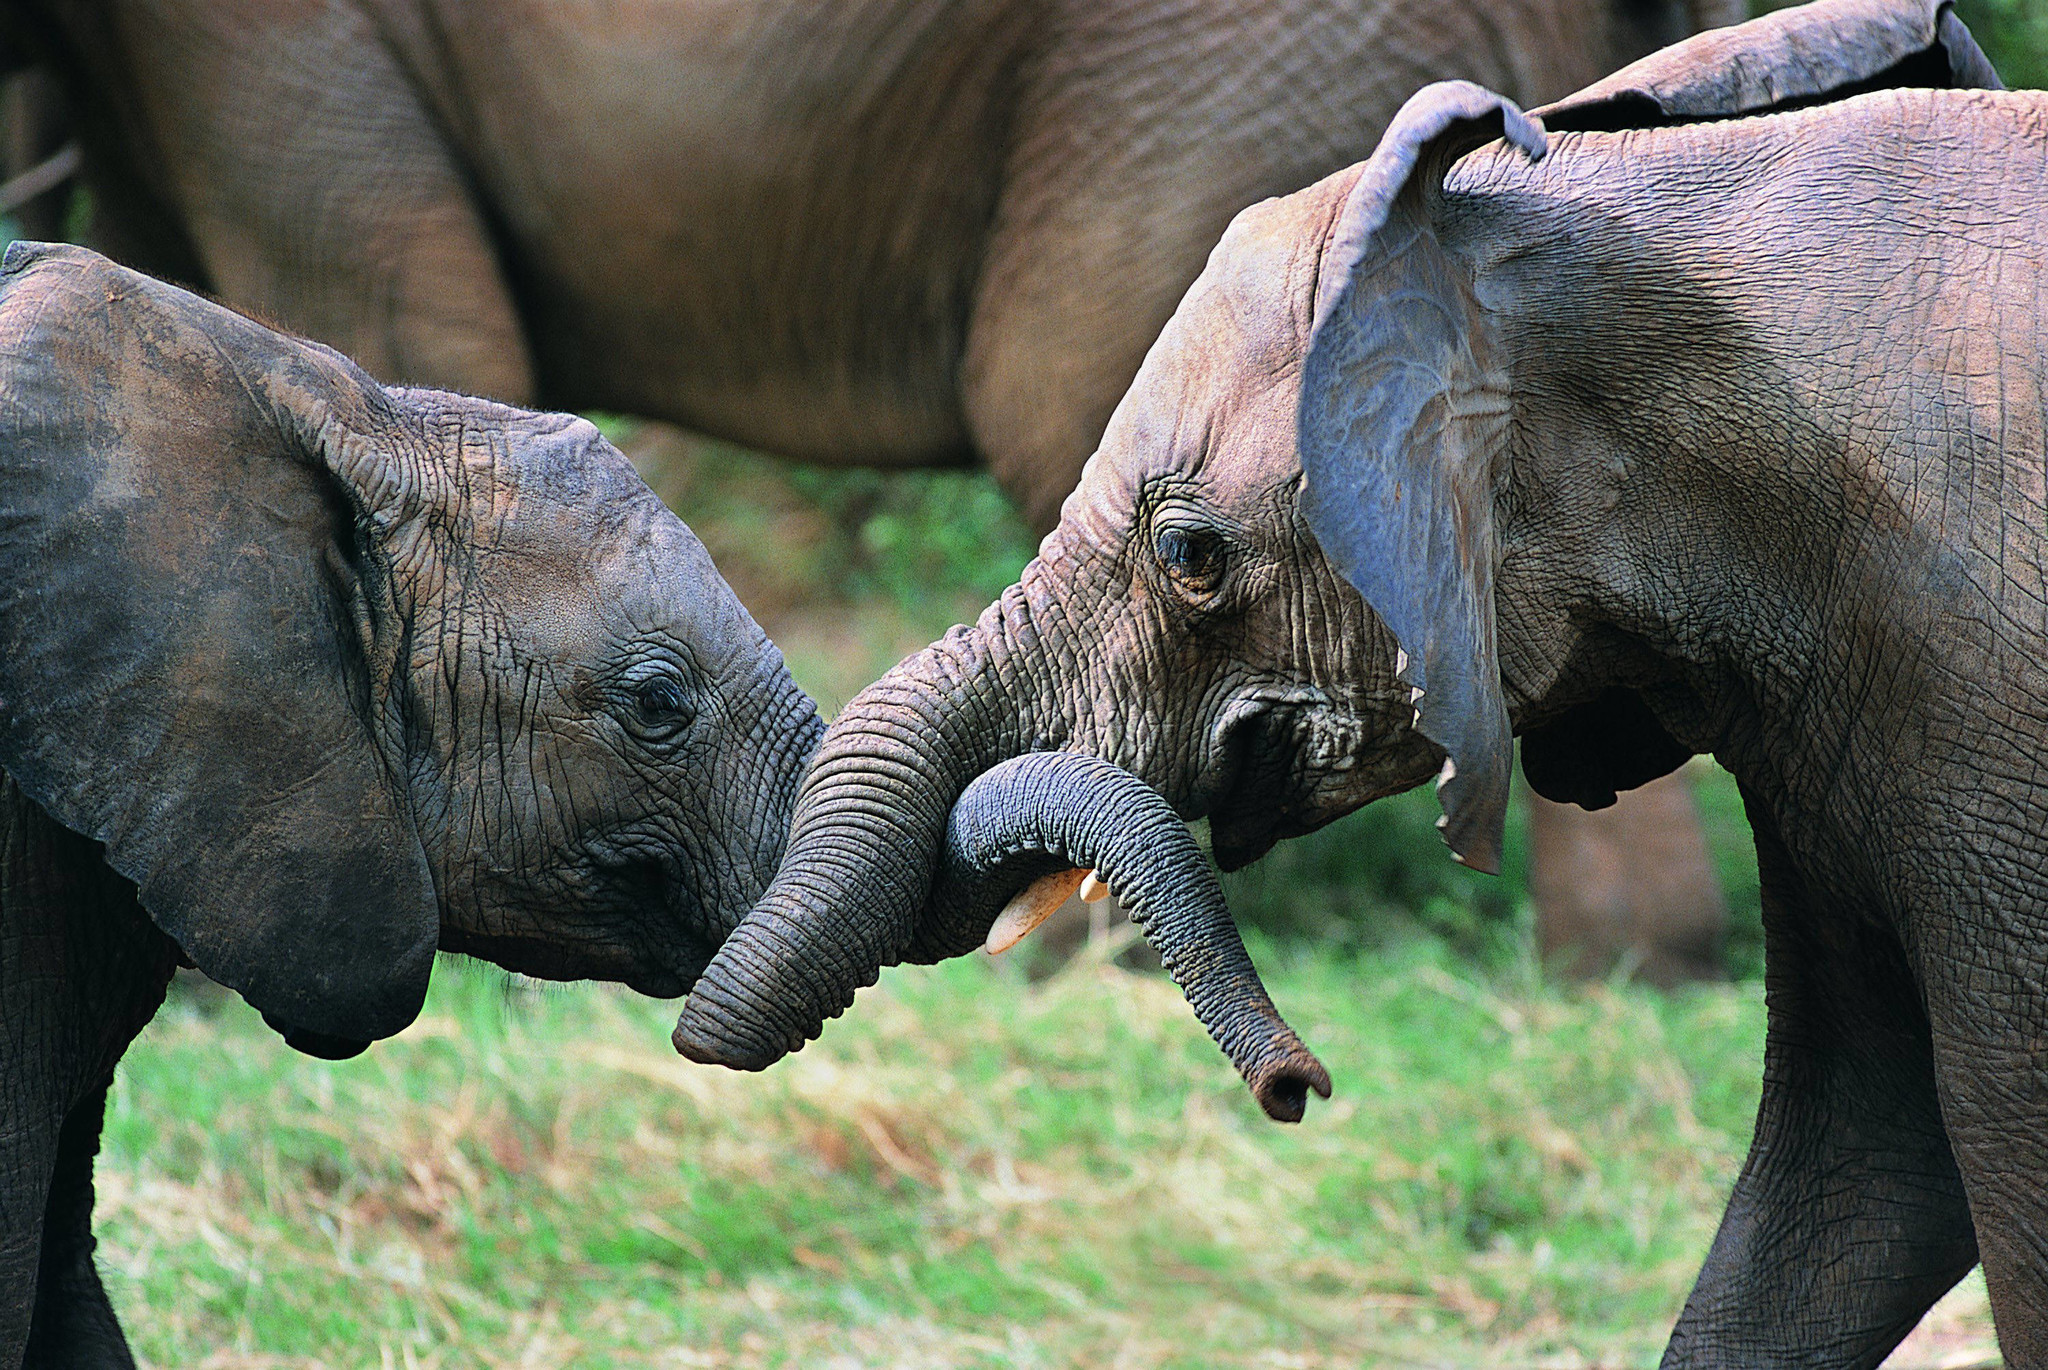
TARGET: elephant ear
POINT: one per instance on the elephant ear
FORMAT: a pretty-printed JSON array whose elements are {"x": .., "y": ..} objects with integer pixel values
[
  {"x": 1403, "y": 415},
  {"x": 1812, "y": 54},
  {"x": 196, "y": 633}
]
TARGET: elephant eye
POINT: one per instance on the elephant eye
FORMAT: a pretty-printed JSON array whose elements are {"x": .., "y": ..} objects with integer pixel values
[
  {"x": 1193, "y": 556},
  {"x": 659, "y": 707}
]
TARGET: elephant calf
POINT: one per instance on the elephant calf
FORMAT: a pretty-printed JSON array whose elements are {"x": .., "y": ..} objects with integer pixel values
[
  {"x": 302, "y": 677},
  {"x": 1711, "y": 417}
]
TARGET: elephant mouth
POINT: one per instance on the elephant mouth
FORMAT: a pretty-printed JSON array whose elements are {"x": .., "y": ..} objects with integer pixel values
[
  {"x": 670, "y": 928},
  {"x": 548, "y": 958},
  {"x": 1273, "y": 754}
]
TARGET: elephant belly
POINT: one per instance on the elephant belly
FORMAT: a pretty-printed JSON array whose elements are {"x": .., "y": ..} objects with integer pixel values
[{"x": 754, "y": 220}]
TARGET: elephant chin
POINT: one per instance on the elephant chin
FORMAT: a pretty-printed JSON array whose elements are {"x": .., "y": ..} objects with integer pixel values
[
  {"x": 324, "y": 1045},
  {"x": 1258, "y": 790},
  {"x": 1240, "y": 836},
  {"x": 1240, "y": 832}
]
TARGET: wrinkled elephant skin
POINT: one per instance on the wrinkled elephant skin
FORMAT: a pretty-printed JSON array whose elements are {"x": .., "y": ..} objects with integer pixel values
[
  {"x": 1705, "y": 416},
  {"x": 302, "y": 678}
]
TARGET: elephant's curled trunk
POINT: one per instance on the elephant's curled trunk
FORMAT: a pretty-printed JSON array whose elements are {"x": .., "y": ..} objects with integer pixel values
[
  {"x": 1053, "y": 809},
  {"x": 1025, "y": 818}
]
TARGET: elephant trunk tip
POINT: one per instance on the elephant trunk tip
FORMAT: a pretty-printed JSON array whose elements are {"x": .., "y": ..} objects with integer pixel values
[
  {"x": 722, "y": 1026},
  {"x": 697, "y": 1041},
  {"x": 1282, "y": 1081}
]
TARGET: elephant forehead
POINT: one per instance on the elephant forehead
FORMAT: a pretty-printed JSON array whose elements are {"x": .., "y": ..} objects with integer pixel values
[
  {"x": 1218, "y": 392},
  {"x": 1233, "y": 350},
  {"x": 1260, "y": 283},
  {"x": 667, "y": 580}
]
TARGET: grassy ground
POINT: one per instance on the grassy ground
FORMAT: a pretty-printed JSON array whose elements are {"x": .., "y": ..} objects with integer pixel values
[{"x": 968, "y": 1170}]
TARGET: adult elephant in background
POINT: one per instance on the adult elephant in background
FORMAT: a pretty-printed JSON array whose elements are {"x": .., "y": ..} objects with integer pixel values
[
  {"x": 1710, "y": 420},
  {"x": 301, "y": 679},
  {"x": 886, "y": 232}
]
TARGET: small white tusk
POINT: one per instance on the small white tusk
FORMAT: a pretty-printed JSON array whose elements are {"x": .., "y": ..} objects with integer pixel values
[
  {"x": 1400, "y": 661},
  {"x": 1414, "y": 694},
  {"x": 1447, "y": 774},
  {"x": 1032, "y": 906},
  {"x": 1092, "y": 889}
]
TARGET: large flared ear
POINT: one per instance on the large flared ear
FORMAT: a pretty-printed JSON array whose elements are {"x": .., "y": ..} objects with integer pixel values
[
  {"x": 1404, "y": 413},
  {"x": 197, "y": 633},
  {"x": 1812, "y": 54}
]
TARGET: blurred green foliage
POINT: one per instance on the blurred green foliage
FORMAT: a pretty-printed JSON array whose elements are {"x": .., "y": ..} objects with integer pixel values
[
  {"x": 793, "y": 534},
  {"x": 1382, "y": 875},
  {"x": 2013, "y": 34}
]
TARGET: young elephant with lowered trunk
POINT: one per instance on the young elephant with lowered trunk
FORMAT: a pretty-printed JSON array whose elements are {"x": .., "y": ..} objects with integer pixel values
[
  {"x": 302, "y": 678},
  {"x": 1709, "y": 420}
]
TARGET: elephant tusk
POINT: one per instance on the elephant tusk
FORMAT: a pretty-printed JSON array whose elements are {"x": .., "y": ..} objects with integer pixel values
[
  {"x": 1092, "y": 888},
  {"x": 1032, "y": 906}
]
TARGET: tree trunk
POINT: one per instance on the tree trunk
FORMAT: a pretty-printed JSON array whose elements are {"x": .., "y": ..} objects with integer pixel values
[{"x": 1631, "y": 884}]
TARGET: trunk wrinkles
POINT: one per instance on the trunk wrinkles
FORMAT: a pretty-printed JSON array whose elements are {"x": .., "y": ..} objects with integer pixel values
[
  {"x": 864, "y": 842},
  {"x": 1043, "y": 811}
]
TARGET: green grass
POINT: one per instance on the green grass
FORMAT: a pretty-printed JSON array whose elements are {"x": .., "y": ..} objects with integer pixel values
[{"x": 967, "y": 1170}]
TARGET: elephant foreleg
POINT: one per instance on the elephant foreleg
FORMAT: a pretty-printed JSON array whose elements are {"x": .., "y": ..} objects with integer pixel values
[
  {"x": 1989, "y": 1006},
  {"x": 74, "y": 1325},
  {"x": 81, "y": 971},
  {"x": 1849, "y": 1219},
  {"x": 25, "y": 1154}
]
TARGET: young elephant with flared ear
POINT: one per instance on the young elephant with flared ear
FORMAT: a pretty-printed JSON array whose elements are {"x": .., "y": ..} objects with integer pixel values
[
  {"x": 301, "y": 678},
  {"x": 1711, "y": 420}
]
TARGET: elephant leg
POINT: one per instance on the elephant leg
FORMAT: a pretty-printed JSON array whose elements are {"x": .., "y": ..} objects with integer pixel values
[
  {"x": 316, "y": 188},
  {"x": 28, "y": 1151},
  {"x": 1849, "y": 1219},
  {"x": 1628, "y": 883},
  {"x": 74, "y": 1324},
  {"x": 1989, "y": 1007},
  {"x": 82, "y": 969}
]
